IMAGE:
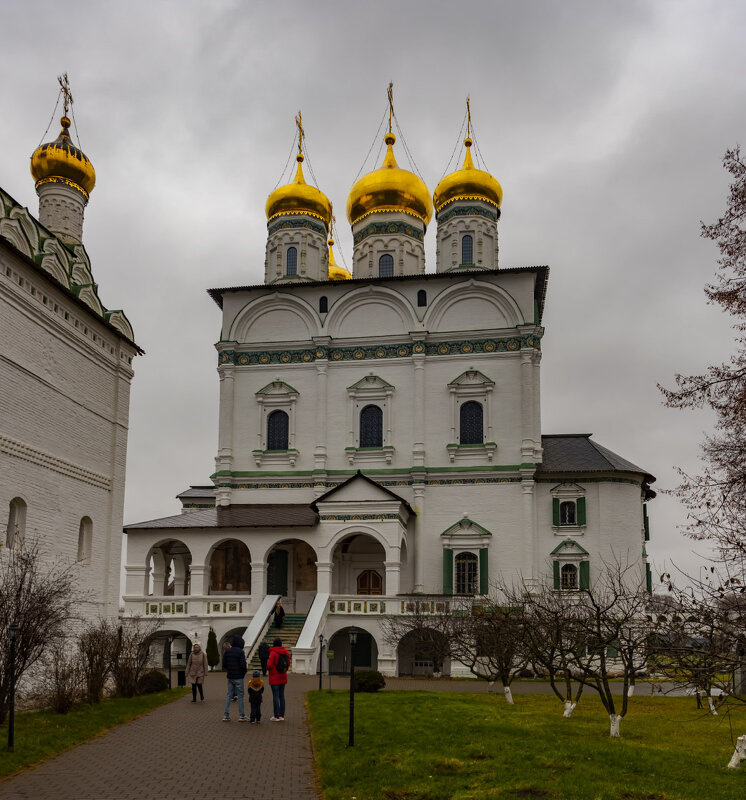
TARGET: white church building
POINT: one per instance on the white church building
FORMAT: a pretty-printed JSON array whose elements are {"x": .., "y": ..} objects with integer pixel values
[
  {"x": 380, "y": 441},
  {"x": 65, "y": 371}
]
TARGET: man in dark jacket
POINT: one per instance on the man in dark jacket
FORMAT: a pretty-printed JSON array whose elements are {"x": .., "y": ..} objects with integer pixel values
[
  {"x": 263, "y": 656},
  {"x": 234, "y": 664}
]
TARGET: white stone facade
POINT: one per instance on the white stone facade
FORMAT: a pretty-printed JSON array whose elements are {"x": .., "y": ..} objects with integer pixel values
[{"x": 65, "y": 368}]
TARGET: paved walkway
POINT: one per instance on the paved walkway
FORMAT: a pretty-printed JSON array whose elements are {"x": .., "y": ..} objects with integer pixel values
[{"x": 183, "y": 751}]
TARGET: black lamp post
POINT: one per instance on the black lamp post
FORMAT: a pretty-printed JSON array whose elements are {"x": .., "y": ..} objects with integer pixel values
[
  {"x": 321, "y": 659},
  {"x": 169, "y": 640},
  {"x": 353, "y": 642},
  {"x": 12, "y": 631}
]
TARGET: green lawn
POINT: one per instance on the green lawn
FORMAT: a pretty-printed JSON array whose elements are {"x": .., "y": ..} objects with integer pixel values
[
  {"x": 462, "y": 746},
  {"x": 41, "y": 734}
]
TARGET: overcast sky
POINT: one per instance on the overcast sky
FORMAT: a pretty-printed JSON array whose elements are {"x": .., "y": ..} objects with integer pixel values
[{"x": 605, "y": 123}]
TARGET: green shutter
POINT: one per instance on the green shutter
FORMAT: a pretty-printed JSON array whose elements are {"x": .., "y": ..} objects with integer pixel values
[
  {"x": 555, "y": 511},
  {"x": 580, "y": 503},
  {"x": 447, "y": 570},
  {"x": 645, "y": 523},
  {"x": 585, "y": 575},
  {"x": 556, "y": 570},
  {"x": 484, "y": 575},
  {"x": 648, "y": 579}
]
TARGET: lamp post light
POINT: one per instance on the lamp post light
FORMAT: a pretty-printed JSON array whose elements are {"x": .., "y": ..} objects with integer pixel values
[
  {"x": 321, "y": 659},
  {"x": 353, "y": 642},
  {"x": 12, "y": 632}
]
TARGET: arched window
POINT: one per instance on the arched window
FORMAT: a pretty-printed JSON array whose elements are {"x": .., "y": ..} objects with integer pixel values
[
  {"x": 567, "y": 513},
  {"x": 16, "y": 522},
  {"x": 467, "y": 250},
  {"x": 569, "y": 575},
  {"x": 85, "y": 540},
  {"x": 472, "y": 425},
  {"x": 386, "y": 266},
  {"x": 421, "y": 298},
  {"x": 323, "y": 304},
  {"x": 371, "y": 427},
  {"x": 369, "y": 582},
  {"x": 292, "y": 261},
  {"x": 466, "y": 573},
  {"x": 277, "y": 431}
]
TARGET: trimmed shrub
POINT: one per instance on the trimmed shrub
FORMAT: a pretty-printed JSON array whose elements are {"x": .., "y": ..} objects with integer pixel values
[
  {"x": 369, "y": 680},
  {"x": 213, "y": 654},
  {"x": 151, "y": 682}
]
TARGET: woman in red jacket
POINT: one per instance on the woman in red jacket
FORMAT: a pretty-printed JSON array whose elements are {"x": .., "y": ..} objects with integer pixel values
[{"x": 278, "y": 665}]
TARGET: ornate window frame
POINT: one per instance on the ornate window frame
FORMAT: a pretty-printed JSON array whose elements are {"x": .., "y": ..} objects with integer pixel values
[
  {"x": 465, "y": 536},
  {"x": 471, "y": 385},
  {"x": 568, "y": 493},
  {"x": 370, "y": 390},
  {"x": 277, "y": 395},
  {"x": 569, "y": 551}
]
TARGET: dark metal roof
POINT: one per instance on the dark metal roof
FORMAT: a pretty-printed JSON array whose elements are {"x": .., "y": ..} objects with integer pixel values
[
  {"x": 260, "y": 515},
  {"x": 540, "y": 289},
  {"x": 198, "y": 491},
  {"x": 577, "y": 452}
]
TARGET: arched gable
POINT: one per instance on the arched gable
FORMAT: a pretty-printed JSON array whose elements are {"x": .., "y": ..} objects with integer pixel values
[
  {"x": 278, "y": 317},
  {"x": 473, "y": 306},
  {"x": 368, "y": 311}
]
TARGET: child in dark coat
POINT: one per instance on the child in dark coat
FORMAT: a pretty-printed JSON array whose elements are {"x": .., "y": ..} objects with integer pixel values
[{"x": 256, "y": 689}]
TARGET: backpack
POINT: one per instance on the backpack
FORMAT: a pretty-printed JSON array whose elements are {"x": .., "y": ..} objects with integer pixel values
[{"x": 283, "y": 662}]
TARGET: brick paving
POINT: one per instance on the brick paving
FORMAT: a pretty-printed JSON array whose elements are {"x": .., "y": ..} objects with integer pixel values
[{"x": 183, "y": 751}]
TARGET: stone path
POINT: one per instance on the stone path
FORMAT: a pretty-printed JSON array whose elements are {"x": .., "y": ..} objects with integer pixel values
[{"x": 183, "y": 751}]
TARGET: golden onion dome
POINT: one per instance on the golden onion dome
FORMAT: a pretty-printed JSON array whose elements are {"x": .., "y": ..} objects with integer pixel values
[
  {"x": 336, "y": 273},
  {"x": 467, "y": 183},
  {"x": 389, "y": 188},
  {"x": 299, "y": 197},
  {"x": 61, "y": 162}
]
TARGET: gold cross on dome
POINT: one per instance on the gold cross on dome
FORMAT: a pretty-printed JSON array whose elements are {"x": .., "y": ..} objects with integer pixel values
[
  {"x": 391, "y": 102},
  {"x": 301, "y": 132},
  {"x": 67, "y": 95}
]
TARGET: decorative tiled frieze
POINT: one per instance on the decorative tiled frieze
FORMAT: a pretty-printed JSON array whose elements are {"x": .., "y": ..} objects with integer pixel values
[
  {"x": 510, "y": 344},
  {"x": 361, "y": 517},
  {"x": 283, "y": 223},
  {"x": 400, "y": 482},
  {"x": 17, "y": 449},
  {"x": 383, "y": 228},
  {"x": 467, "y": 211}
]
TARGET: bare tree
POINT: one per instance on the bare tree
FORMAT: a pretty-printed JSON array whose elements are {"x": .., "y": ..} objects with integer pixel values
[
  {"x": 487, "y": 636},
  {"x": 38, "y": 597},
  {"x": 425, "y": 625},
  {"x": 130, "y": 651},
  {"x": 550, "y": 637},
  {"x": 62, "y": 676},
  {"x": 612, "y": 634},
  {"x": 96, "y": 643}
]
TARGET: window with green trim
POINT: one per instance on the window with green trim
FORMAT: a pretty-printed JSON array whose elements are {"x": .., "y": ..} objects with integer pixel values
[
  {"x": 568, "y": 513},
  {"x": 467, "y": 565}
]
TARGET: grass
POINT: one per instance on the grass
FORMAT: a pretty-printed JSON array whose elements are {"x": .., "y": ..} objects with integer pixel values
[
  {"x": 463, "y": 746},
  {"x": 41, "y": 734}
]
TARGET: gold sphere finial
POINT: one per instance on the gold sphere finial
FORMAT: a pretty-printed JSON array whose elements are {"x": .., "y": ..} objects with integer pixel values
[{"x": 389, "y": 138}]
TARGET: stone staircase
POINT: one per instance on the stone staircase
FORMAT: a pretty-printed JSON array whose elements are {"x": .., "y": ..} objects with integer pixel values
[{"x": 292, "y": 625}]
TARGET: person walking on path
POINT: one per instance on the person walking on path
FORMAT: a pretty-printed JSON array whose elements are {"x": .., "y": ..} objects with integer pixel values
[
  {"x": 256, "y": 690},
  {"x": 234, "y": 664},
  {"x": 278, "y": 665},
  {"x": 279, "y": 614},
  {"x": 263, "y": 656},
  {"x": 196, "y": 669}
]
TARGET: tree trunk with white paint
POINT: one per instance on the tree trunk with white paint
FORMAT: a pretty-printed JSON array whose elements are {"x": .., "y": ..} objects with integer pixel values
[
  {"x": 569, "y": 708},
  {"x": 508, "y": 695},
  {"x": 712, "y": 705},
  {"x": 630, "y": 690},
  {"x": 739, "y": 754},
  {"x": 615, "y": 720}
]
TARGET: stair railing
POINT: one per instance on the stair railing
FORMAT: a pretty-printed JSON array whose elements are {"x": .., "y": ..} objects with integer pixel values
[{"x": 259, "y": 624}]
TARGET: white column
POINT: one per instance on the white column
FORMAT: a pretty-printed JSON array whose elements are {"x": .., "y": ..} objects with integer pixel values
[
  {"x": 159, "y": 573},
  {"x": 527, "y": 406},
  {"x": 136, "y": 581},
  {"x": 200, "y": 577},
  {"x": 258, "y": 584},
  {"x": 537, "y": 402},
  {"x": 416, "y": 548},
  {"x": 224, "y": 460},
  {"x": 321, "y": 433},
  {"x": 324, "y": 571},
  {"x": 393, "y": 577},
  {"x": 530, "y": 554},
  {"x": 418, "y": 446},
  {"x": 179, "y": 568}
]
